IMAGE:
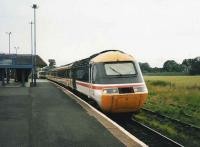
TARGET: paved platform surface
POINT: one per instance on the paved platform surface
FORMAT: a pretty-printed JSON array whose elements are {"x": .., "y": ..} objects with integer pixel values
[{"x": 44, "y": 116}]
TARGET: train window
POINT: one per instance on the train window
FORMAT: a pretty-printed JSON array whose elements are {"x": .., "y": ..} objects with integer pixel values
[
  {"x": 70, "y": 74},
  {"x": 79, "y": 73},
  {"x": 94, "y": 73},
  {"x": 67, "y": 74},
  {"x": 120, "y": 68},
  {"x": 82, "y": 74},
  {"x": 86, "y": 74},
  {"x": 61, "y": 73},
  {"x": 54, "y": 73}
]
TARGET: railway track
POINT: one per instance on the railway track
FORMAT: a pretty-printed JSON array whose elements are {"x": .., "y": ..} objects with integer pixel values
[
  {"x": 141, "y": 131},
  {"x": 188, "y": 134},
  {"x": 175, "y": 121},
  {"x": 145, "y": 133}
]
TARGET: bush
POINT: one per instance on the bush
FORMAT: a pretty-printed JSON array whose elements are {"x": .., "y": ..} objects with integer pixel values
[{"x": 159, "y": 83}]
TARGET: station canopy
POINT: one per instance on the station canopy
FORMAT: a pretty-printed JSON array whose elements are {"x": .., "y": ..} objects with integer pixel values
[{"x": 20, "y": 61}]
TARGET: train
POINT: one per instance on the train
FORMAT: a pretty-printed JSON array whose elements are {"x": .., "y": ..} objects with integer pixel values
[
  {"x": 111, "y": 78},
  {"x": 41, "y": 74}
]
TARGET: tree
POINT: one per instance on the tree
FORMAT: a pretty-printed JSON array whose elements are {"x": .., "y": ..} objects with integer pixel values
[
  {"x": 195, "y": 66},
  {"x": 157, "y": 69},
  {"x": 145, "y": 67},
  {"x": 187, "y": 65},
  {"x": 52, "y": 62},
  {"x": 172, "y": 66}
]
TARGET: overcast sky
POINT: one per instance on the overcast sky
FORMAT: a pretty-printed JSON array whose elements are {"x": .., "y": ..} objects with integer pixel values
[{"x": 67, "y": 30}]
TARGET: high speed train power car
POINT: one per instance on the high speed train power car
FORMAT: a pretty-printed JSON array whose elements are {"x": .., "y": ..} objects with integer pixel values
[{"x": 112, "y": 78}]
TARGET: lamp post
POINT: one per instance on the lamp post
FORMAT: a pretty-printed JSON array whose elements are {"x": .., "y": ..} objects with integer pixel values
[
  {"x": 34, "y": 8},
  {"x": 9, "y": 33},
  {"x": 16, "y": 48},
  {"x": 31, "y": 23},
  {"x": 8, "y": 70}
]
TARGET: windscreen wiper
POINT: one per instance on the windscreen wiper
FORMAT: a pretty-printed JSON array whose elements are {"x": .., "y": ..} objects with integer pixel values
[{"x": 115, "y": 71}]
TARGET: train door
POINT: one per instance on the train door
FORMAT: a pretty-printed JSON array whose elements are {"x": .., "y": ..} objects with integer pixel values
[
  {"x": 91, "y": 92},
  {"x": 74, "y": 78},
  {"x": 70, "y": 78}
]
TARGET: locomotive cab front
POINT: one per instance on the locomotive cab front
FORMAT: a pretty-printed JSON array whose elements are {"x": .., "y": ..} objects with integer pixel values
[{"x": 118, "y": 86}]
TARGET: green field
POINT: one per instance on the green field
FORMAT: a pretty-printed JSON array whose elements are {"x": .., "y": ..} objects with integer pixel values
[{"x": 175, "y": 96}]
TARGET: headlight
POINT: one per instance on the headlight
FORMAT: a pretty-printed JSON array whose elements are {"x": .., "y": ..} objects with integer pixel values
[
  {"x": 110, "y": 90},
  {"x": 140, "y": 89}
]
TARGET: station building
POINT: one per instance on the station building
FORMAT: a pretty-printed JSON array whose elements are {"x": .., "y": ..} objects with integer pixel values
[{"x": 18, "y": 67}]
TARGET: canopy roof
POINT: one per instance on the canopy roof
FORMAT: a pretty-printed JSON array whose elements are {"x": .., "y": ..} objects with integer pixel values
[{"x": 19, "y": 61}]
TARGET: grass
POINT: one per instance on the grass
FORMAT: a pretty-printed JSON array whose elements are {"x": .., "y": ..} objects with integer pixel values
[
  {"x": 167, "y": 128},
  {"x": 156, "y": 124},
  {"x": 175, "y": 96}
]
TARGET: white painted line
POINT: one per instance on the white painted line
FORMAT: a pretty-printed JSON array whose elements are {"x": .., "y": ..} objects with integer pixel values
[{"x": 133, "y": 138}]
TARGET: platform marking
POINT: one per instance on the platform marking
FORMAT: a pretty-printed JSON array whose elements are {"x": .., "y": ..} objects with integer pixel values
[{"x": 128, "y": 139}]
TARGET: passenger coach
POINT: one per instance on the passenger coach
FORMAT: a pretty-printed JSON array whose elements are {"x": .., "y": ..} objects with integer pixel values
[{"x": 112, "y": 78}]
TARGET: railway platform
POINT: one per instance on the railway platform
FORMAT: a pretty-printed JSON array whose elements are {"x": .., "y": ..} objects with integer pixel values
[{"x": 45, "y": 116}]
